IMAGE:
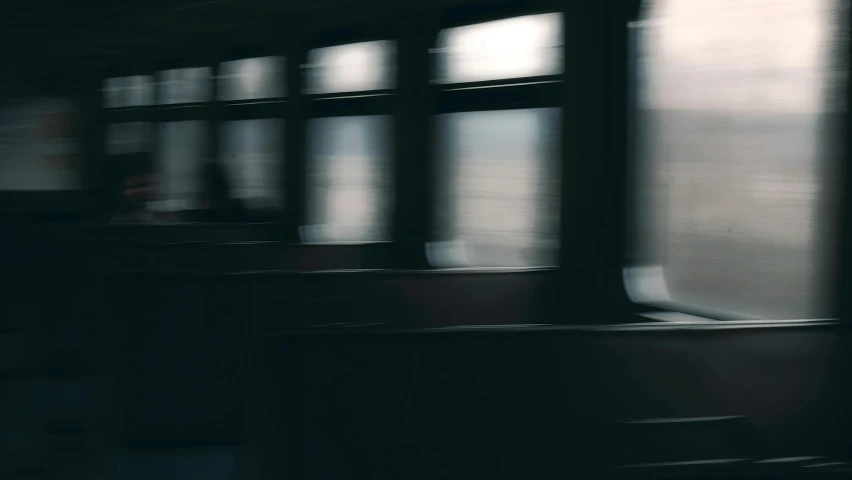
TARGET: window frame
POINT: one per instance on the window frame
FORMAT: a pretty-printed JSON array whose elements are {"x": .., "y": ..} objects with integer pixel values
[
  {"x": 592, "y": 94},
  {"x": 836, "y": 150},
  {"x": 512, "y": 93},
  {"x": 269, "y": 108},
  {"x": 357, "y": 103}
]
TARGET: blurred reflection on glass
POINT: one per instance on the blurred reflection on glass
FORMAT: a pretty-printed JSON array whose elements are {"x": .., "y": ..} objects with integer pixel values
[
  {"x": 251, "y": 152},
  {"x": 732, "y": 104},
  {"x": 132, "y": 91},
  {"x": 184, "y": 85},
  {"x": 251, "y": 78},
  {"x": 516, "y": 47},
  {"x": 351, "y": 68},
  {"x": 181, "y": 149},
  {"x": 498, "y": 198},
  {"x": 128, "y": 137},
  {"x": 349, "y": 179}
]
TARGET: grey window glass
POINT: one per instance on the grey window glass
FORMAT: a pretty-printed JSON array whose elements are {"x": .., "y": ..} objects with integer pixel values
[
  {"x": 498, "y": 189},
  {"x": 129, "y": 137},
  {"x": 179, "y": 160},
  {"x": 349, "y": 179},
  {"x": 184, "y": 85},
  {"x": 351, "y": 68},
  {"x": 516, "y": 47},
  {"x": 132, "y": 91},
  {"x": 251, "y": 153},
  {"x": 112, "y": 93},
  {"x": 732, "y": 98},
  {"x": 251, "y": 78}
]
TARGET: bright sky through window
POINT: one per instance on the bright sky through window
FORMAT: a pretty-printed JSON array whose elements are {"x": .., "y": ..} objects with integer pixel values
[
  {"x": 251, "y": 78},
  {"x": 720, "y": 49},
  {"x": 515, "y": 47},
  {"x": 734, "y": 97},
  {"x": 351, "y": 68}
]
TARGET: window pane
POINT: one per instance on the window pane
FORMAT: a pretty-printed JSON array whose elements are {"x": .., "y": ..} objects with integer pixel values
[
  {"x": 127, "y": 91},
  {"x": 351, "y": 68},
  {"x": 498, "y": 198},
  {"x": 732, "y": 101},
  {"x": 251, "y": 78},
  {"x": 39, "y": 144},
  {"x": 516, "y": 47},
  {"x": 181, "y": 147},
  {"x": 251, "y": 151},
  {"x": 130, "y": 137},
  {"x": 349, "y": 179},
  {"x": 184, "y": 85}
]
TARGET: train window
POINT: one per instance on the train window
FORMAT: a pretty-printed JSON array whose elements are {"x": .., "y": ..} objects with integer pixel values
[
  {"x": 184, "y": 85},
  {"x": 180, "y": 153},
  {"x": 39, "y": 149},
  {"x": 349, "y": 179},
  {"x": 515, "y": 47},
  {"x": 128, "y": 137},
  {"x": 251, "y": 151},
  {"x": 731, "y": 97},
  {"x": 132, "y": 91},
  {"x": 498, "y": 189},
  {"x": 251, "y": 78},
  {"x": 351, "y": 68}
]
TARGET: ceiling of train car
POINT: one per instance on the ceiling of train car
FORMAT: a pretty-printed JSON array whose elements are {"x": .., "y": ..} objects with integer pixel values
[
  {"x": 57, "y": 36},
  {"x": 91, "y": 27},
  {"x": 58, "y": 33}
]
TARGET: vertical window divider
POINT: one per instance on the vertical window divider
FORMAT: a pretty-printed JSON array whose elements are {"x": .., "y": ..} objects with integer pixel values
[
  {"x": 413, "y": 140},
  {"x": 841, "y": 277},
  {"x": 295, "y": 150},
  {"x": 214, "y": 114},
  {"x": 93, "y": 157},
  {"x": 593, "y": 161},
  {"x": 284, "y": 230},
  {"x": 615, "y": 174}
]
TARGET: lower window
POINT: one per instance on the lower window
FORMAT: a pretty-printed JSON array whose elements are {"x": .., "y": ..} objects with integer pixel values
[{"x": 497, "y": 189}]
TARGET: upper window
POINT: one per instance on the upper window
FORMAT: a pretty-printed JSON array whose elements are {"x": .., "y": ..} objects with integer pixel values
[
  {"x": 251, "y": 78},
  {"x": 732, "y": 97},
  {"x": 516, "y": 47},
  {"x": 184, "y": 85},
  {"x": 351, "y": 68},
  {"x": 132, "y": 91}
]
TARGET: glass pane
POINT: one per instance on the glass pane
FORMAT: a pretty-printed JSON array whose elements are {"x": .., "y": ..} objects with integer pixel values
[
  {"x": 251, "y": 151},
  {"x": 112, "y": 92},
  {"x": 349, "y": 179},
  {"x": 498, "y": 204},
  {"x": 141, "y": 91},
  {"x": 184, "y": 85},
  {"x": 181, "y": 147},
  {"x": 516, "y": 47},
  {"x": 128, "y": 137},
  {"x": 732, "y": 101},
  {"x": 251, "y": 78},
  {"x": 127, "y": 91},
  {"x": 351, "y": 68},
  {"x": 39, "y": 144}
]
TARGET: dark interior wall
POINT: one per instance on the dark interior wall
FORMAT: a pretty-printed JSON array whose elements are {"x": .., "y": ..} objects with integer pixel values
[
  {"x": 197, "y": 359},
  {"x": 508, "y": 404}
]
